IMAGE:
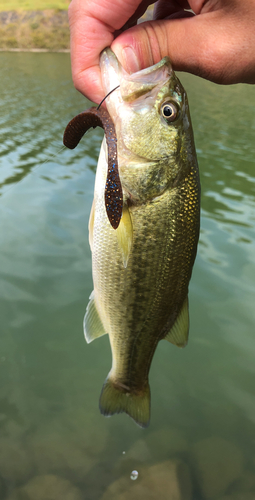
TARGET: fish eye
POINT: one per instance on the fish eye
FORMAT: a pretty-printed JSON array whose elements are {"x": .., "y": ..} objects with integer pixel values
[{"x": 169, "y": 111}]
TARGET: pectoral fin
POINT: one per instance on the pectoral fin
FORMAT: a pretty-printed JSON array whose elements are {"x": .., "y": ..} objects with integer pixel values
[
  {"x": 125, "y": 235},
  {"x": 93, "y": 327},
  {"x": 179, "y": 332}
]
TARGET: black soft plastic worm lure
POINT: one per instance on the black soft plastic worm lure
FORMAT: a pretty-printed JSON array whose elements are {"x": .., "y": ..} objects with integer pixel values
[{"x": 75, "y": 130}]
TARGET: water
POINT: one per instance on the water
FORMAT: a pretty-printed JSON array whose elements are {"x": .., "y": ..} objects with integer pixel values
[{"x": 203, "y": 397}]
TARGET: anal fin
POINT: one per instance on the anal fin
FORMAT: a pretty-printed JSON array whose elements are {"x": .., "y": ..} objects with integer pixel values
[
  {"x": 93, "y": 327},
  {"x": 179, "y": 332}
]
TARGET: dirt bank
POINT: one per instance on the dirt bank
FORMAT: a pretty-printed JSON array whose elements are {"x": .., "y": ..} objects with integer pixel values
[{"x": 26, "y": 30}]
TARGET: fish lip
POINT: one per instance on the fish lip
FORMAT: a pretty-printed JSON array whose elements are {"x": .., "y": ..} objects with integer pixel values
[
  {"x": 109, "y": 59},
  {"x": 146, "y": 71}
]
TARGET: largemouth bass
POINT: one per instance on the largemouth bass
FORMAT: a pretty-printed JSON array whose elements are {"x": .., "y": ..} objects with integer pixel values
[{"x": 142, "y": 262}]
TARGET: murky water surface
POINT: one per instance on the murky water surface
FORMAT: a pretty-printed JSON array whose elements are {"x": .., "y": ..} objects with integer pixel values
[{"x": 53, "y": 441}]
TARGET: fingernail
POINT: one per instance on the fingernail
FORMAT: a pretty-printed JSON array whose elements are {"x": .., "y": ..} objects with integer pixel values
[{"x": 130, "y": 60}]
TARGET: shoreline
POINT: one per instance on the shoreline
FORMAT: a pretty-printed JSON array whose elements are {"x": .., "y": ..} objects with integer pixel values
[{"x": 64, "y": 51}]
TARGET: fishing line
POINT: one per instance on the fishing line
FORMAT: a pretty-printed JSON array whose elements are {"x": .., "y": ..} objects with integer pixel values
[{"x": 107, "y": 96}]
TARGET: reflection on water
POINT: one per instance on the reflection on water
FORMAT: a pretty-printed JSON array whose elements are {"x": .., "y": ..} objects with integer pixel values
[{"x": 53, "y": 441}]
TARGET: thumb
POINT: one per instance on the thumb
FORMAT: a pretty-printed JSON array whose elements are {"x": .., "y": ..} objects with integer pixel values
[
  {"x": 205, "y": 45},
  {"x": 147, "y": 43}
]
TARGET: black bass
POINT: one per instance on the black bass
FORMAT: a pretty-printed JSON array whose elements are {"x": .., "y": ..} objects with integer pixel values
[{"x": 142, "y": 260}]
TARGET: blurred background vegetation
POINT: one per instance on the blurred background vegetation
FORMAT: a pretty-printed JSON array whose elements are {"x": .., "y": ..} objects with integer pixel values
[
  {"x": 33, "y": 4},
  {"x": 34, "y": 24}
]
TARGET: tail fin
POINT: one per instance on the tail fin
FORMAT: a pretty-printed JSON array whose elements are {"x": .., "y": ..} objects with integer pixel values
[{"x": 115, "y": 399}]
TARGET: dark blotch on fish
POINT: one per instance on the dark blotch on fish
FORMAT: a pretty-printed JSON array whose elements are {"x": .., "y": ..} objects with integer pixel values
[{"x": 75, "y": 130}]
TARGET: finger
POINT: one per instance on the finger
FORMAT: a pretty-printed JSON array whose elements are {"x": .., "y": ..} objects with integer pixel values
[
  {"x": 88, "y": 37},
  {"x": 163, "y": 9},
  {"x": 139, "y": 12},
  {"x": 92, "y": 28},
  {"x": 205, "y": 45},
  {"x": 147, "y": 43},
  {"x": 132, "y": 21}
]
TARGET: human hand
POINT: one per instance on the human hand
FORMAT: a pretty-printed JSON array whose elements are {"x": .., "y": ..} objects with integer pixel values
[
  {"x": 217, "y": 43},
  {"x": 93, "y": 26}
]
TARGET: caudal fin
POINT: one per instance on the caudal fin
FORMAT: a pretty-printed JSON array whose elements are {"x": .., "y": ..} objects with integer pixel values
[{"x": 115, "y": 399}]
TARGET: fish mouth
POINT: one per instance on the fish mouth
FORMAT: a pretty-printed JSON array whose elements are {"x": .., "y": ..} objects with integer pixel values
[
  {"x": 152, "y": 75},
  {"x": 132, "y": 86},
  {"x": 108, "y": 57}
]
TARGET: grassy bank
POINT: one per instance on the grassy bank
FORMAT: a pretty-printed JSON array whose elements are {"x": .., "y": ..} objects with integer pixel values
[
  {"x": 7, "y": 5},
  {"x": 36, "y": 29}
]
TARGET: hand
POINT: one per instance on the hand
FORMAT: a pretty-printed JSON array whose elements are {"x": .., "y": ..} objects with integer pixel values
[
  {"x": 217, "y": 43},
  {"x": 93, "y": 26}
]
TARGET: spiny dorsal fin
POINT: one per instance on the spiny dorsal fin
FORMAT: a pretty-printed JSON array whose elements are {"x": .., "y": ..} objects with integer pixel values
[
  {"x": 125, "y": 235},
  {"x": 93, "y": 327},
  {"x": 179, "y": 332}
]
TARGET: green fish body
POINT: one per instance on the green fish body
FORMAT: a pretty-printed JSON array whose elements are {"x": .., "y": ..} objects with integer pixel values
[{"x": 141, "y": 270}]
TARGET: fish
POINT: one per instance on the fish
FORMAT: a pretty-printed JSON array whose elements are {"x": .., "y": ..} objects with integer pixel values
[{"x": 143, "y": 254}]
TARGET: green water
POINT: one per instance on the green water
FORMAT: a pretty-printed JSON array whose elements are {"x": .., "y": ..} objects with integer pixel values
[{"x": 203, "y": 397}]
